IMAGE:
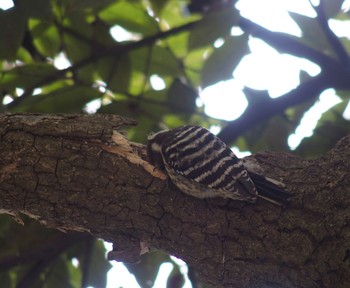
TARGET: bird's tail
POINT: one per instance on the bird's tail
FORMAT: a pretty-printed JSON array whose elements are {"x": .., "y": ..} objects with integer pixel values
[{"x": 271, "y": 190}]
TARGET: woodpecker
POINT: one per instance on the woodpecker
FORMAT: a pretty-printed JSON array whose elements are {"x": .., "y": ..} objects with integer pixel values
[{"x": 201, "y": 165}]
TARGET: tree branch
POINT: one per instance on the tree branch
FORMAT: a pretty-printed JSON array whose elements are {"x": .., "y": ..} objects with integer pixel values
[
  {"x": 64, "y": 171},
  {"x": 254, "y": 114},
  {"x": 333, "y": 75},
  {"x": 117, "y": 49},
  {"x": 286, "y": 43},
  {"x": 333, "y": 39}
]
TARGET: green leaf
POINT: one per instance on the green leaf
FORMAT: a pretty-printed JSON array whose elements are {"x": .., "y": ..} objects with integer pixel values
[
  {"x": 25, "y": 76},
  {"x": 174, "y": 120},
  {"x": 75, "y": 273},
  {"x": 78, "y": 5},
  {"x": 195, "y": 59},
  {"x": 178, "y": 44},
  {"x": 158, "y": 6},
  {"x": 155, "y": 104},
  {"x": 58, "y": 276},
  {"x": 131, "y": 17},
  {"x": 330, "y": 128},
  {"x": 173, "y": 14},
  {"x": 8, "y": 239},
  {"x": 164, "y": 62},
  {"x": 6, "y": 280},
  {"x": 146, "y": 271},
  {"x": 346, "y": 43},
  {"x": 137, "y": 133},
  {"x": 263, "y": 136},
  {"x": 181, "y": 97},
  {"x": 223, "y": 60},
  {"x": 40, "y": 9},
  {"x": 120, "y": 107},
  {"x": 137, "y": 82},
  {"x": 13, "y": 25},
  {"x": 24, "y": 56},
  {"x": 101, "y": 37},
  {"x": 45, "y": 36},
  {"x": 98, "y": 265},
  {"x": 138, "y": 58},
  {"x": 115, "y": 71},
  {"x": 312, "y": 33},
  {"x": 332, "y": 7},
  {"x": 214, "y": 25},
  {"x": 79, "y": 38},
  {"x": 77, "y": 47},
  {"x": 343, "y": 94}
]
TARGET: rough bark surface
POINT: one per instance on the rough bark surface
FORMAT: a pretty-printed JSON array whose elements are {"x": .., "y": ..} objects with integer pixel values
[{"x": 58, "y": 169}]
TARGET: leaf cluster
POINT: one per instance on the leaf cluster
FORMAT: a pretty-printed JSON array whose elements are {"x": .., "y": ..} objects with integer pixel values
[{"x": 113, "y": 73}]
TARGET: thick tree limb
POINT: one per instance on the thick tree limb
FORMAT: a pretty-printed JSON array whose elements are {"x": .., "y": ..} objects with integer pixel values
[
  {"x": 254, "y": 114},
  {"x": 56, "y": 168}
]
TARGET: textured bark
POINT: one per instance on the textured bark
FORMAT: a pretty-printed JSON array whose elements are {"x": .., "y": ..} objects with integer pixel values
[{"x": 63, "y": 171}]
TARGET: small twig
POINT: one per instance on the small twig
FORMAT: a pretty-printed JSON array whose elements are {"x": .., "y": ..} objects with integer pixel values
[
  {"x": 165, "y": 104},
  {"x": 79, "y": 36},
  {"x": 117, "y": 49},
  {"x": 332, "y": 38},
  {"x": 147, "y": 71},
  {"x": 286, "y": 43}
]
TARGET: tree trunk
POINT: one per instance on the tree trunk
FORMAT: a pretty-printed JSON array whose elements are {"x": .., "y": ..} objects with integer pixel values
[{"x": 67, "y": 172}]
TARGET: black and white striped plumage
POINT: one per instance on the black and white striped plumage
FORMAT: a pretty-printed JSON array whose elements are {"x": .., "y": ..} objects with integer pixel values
[{"x": 201, "y": 165}]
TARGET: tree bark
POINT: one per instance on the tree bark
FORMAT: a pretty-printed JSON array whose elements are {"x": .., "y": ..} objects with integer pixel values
[{"x": 66, "y": 171}]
